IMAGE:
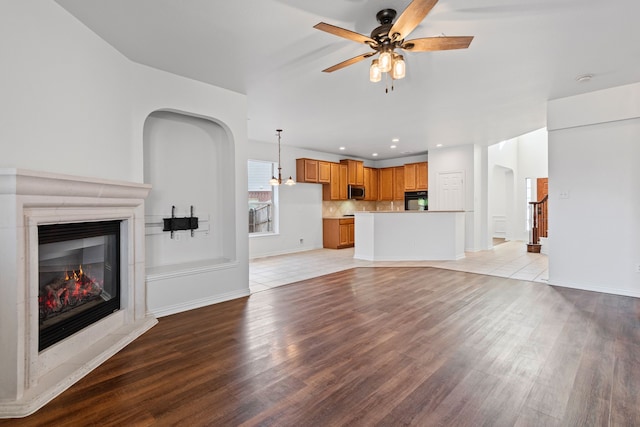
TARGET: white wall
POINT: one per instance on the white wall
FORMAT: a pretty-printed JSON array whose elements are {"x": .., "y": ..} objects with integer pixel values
[
  {"x": 510, "y": 163},
  {"x": 399, "y": 161},
  {"x": 66, "y": 95},
  {"x": 183, "y": 155},
  {"x": 299, "y": 207},
  {"x": 532, "y": 163},
  {"x": 593, "y": 160},
  {"x": 471, "y": 161},
  {"x": 72, "y": 104}
]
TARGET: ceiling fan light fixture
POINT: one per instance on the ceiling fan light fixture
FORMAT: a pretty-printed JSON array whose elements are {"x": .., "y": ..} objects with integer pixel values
[
  {"x": 375, "y": 75},
  {"x": 384, "y": 61},
  {"x": 399, "y": 67}
]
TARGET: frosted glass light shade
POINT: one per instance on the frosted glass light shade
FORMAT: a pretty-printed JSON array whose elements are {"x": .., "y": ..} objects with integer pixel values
[
  {"x": 384, "y": 62},
  {"x": 399, "y": 67},
  {"x": 375, "y": 75}
]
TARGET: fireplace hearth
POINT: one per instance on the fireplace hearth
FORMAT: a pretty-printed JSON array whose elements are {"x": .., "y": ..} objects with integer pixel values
[{"x": 79, "y": 277}]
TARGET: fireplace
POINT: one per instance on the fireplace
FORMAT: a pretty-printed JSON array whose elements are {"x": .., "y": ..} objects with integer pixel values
[
  {"x": 72, "y": 288},
  {"x": 78, "y": 275}
]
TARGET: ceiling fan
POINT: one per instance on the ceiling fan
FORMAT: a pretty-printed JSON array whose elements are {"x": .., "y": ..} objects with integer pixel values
[{"x": 390, "y": 36}]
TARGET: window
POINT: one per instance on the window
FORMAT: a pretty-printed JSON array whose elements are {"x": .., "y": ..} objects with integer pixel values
[{"x": 262, "y": 197}]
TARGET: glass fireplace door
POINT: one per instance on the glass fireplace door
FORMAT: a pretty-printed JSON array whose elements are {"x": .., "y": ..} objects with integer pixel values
[{"x": 79, "y": 277}]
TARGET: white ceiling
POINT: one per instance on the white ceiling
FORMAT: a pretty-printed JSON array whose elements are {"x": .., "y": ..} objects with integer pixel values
[{"x": 524, "y": 53}]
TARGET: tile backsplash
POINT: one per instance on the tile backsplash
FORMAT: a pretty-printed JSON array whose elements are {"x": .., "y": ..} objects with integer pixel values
[{"x": 347, "y": 207}]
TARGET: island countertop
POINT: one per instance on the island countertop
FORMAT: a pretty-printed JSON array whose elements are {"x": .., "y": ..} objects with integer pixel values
[
  {"x": 403, "y": 212},
  {"x": 409, "y": 235}
]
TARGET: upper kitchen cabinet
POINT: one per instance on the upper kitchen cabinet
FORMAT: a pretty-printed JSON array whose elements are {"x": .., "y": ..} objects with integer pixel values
[
  {"x": 416, "y": 176},
  {"x": 370, "y": 184},
  {"x": 355, "y": 171},
  {"x": 313, "y": 171},
  {"x": 337, "y": 187},
  {"x": 398, "y": 183},
  {"x": 385, "y": 186},
  {"x": 324, "y": 172}
]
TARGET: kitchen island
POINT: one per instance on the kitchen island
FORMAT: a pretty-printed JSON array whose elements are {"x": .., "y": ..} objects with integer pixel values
[{"x": 409, "y": 235}]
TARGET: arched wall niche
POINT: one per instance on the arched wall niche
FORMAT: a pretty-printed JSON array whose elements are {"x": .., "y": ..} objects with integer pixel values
[{"x": 189, "y": 161}]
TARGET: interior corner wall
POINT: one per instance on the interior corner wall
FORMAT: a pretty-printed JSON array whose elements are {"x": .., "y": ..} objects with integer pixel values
[
  {"x": 66, "y": 95},
  {"x": 594, "y": 202},
  {"x": 72, "y": 104}
]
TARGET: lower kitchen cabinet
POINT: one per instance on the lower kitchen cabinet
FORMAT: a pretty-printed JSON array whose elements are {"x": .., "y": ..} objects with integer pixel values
[{"x": 338, "y": 233}]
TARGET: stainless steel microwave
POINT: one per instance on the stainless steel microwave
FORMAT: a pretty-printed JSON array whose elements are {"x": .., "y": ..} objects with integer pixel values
[{"x": 356, "y": 192}]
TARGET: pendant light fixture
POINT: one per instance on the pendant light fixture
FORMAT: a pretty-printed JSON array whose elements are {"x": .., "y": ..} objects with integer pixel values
[{"x": 278, "y": 180}]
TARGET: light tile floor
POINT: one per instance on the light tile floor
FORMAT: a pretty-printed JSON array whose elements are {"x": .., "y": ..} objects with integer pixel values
[{"x": 508, "y": 259}]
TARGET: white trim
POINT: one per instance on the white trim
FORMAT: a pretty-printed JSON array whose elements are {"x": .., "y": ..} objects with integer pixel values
[
  {"x": 601, "y": 289},
  {"x": 203, "y": 302},
  {"x": 172, "y": 271}
]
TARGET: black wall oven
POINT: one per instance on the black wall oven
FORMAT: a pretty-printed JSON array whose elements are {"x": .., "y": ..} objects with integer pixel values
[{"x": 416, "y": 201}]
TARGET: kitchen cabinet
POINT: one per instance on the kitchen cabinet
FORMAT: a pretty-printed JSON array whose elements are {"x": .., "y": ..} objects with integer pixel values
[
  {"x": 324, "y": 172},
  {"x": 370, "y": 184},
  {"x": 398, "y": 183},
  {"x": 307, "y": 170},
  {"x": 391, "y": 183},
  {"x": 313, "y": 171},
  {"x": 337, "y": 187},
  {"x": 355, "y": 171},
  {"x": 338, "y": 233},
  {"x": 385, "y": 186},
  {"x": 416, "y": 176}
]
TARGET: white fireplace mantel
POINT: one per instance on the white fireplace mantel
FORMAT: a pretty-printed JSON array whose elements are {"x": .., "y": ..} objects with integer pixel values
[{"x": 29, "y": 378}]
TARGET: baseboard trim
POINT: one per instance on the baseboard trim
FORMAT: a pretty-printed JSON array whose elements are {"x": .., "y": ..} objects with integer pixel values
[
  {"x": 199, "y": 303},
  {"x": 604, "y": 290}
]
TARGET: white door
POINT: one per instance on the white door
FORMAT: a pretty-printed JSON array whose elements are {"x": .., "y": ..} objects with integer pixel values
[{"x": 450, "y": 191}]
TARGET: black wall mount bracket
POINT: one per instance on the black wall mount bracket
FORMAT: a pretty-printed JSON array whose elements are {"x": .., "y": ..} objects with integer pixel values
[{"x": 174, "y": 224}]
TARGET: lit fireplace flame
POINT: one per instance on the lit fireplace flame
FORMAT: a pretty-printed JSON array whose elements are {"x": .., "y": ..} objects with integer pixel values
[{"x": 62, "y": 295}]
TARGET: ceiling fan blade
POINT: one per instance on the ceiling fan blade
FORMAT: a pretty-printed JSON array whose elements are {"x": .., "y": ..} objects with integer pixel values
[
  {"x": 437, "y": 43},
  {"x": 410, "y": 18},
  {"x": 341, "y": 32},
  {"x": 349, "y": 62}
]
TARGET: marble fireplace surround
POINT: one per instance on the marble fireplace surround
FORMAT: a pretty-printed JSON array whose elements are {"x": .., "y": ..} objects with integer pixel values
[{"x": 28, "y": 378}]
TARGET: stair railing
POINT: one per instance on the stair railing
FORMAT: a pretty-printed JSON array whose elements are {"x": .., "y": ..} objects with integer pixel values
[{"x": 539, "y": 220}]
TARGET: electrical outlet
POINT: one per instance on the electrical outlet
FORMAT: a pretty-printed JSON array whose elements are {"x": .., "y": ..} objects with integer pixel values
[{"x": 301, "y": 241}]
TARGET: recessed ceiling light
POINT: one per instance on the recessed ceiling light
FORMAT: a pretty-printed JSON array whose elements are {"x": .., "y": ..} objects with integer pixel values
[
  {"x": 395, "y": 140},
  {"x": 438, "y": 145},
  {"x": 375, "y": 154},
  {"x": 343, "y": 148},
  {"x": 584, "y": 78},
  {"x": 393, "y": 146}
]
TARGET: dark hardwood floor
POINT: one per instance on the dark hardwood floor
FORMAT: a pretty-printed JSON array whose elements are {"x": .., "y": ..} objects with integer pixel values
[{"x": 375, "y": 346}]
